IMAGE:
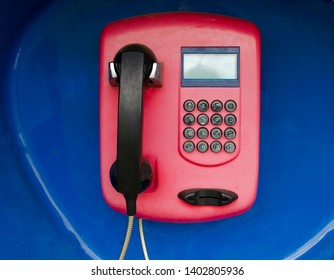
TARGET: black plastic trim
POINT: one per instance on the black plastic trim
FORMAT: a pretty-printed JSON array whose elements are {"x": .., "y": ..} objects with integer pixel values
[
  {"x": 210, "y": 82},
  {"x": 209, "y": 197}
]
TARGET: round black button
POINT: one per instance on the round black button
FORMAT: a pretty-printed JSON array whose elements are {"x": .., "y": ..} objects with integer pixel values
[
  {"x": 216, "y": 133},
  {"x": 230, "y": 119},
  {"x": 229, "y": 133},
  {"x": 189, "y": 146},
  {"x": 189, "y": 133},
  {"x": 216, "y": 106},
  {"x": 216, "y": 146},
  {"x": 202, "y": 133},
  {"x": 203, "y": 105},
  {"x": 202, "y": 119},
  {"x": 189, "y": 105},
  {"x": 230, "y": 106},
  {"x": 216, "y": 119},
  {"x": 189, "y": 119},
  {"x": 229, "y": 147},
  {"x": 202, "y": 146}
]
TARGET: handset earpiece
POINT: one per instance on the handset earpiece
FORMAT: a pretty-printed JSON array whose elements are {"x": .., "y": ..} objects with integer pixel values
[{"x": 130, "y": 174}]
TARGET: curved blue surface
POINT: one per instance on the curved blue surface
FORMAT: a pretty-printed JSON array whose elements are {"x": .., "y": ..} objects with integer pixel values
[{"x": 50, "y": 195}]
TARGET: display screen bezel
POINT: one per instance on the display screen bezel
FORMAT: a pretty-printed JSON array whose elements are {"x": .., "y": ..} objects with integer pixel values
[{"x": 207, "y": 82}]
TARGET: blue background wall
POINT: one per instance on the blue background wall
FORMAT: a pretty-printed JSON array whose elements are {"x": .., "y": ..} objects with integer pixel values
[{"x": 51, "y": 206}]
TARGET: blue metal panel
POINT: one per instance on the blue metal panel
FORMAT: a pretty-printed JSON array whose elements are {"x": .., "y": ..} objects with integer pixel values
[{"x": 50, "y": 196}]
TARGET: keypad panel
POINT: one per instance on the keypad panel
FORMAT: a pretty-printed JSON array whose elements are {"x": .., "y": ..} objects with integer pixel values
[{"x": 209, "y": 126}]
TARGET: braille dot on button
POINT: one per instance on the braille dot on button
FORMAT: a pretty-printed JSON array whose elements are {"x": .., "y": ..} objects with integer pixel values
[
  {"x": 229, "y": 147},
  {"x": 202, "y": 133},
  {"x": 216, "y": 119},
  {"x": 188, "y": 146},
  {"x": 189, "y": 105},
  {"x": 216, "y": 146},
  {"x": 189, "y": 119},
  {"x": 230, "y": 106},
  {"x": 203, "y": 105},
  {"x": 230, "y": 119},
  {"x": 202, "y": 146},
  {"x": 216, "y": 106},
  {"x": 189, "y": 133}
]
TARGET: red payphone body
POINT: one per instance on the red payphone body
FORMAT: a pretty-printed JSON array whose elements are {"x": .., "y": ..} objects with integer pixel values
[{"x": 199, "y": 124}]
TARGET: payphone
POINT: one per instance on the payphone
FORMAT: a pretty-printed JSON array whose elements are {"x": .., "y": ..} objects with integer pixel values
[{"x": 179, "y": 116}]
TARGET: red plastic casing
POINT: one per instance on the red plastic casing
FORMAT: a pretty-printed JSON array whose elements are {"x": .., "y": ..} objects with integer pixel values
[{"x": 174, "y": 169}]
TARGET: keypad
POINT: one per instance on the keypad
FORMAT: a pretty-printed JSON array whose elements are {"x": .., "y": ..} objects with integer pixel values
[{"x": 210, "y": 126}]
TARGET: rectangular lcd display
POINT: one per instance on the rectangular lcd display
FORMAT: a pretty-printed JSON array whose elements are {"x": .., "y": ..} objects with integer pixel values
[{"x": 210, "y": 66}]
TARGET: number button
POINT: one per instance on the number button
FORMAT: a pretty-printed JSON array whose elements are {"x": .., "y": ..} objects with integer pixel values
[
  {"x": 202, "y": 133},
  {"x": 188, "y": 146},
  {"x": 229, "y": 147},
  {"x": 230, "y": 119},
  {"x": 216, "y": 106},
  {"x": 189, "y": 105},
  {"x": 202, "y": 119},
  {"x": 203, "y": 105},
  {"x": 229, "y": 133},
  {"x": 216, "y": 119},
  {"x": 216, "y": 133},
  {"x": 216, "y": 146},
  {"x": 230, "y": 106},
  {"x": 189, "y": 133},
  {"x": 189, "y": 119},
  {"x": 202, "y": 146}
]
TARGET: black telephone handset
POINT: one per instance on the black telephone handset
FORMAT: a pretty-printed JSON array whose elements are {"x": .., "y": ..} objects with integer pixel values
[{"x": 130, "y": 174}]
